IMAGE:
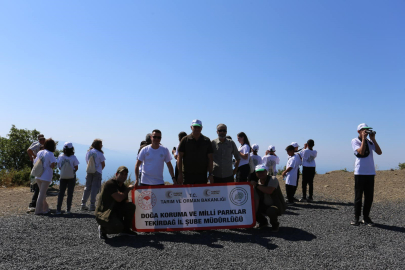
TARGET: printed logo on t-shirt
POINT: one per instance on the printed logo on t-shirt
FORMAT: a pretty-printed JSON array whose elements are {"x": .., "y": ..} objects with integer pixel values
[{"x": 310, "y": 159}]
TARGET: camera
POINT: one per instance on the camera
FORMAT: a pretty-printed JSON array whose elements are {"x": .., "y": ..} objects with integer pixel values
[{"x": 371, "y": 132}]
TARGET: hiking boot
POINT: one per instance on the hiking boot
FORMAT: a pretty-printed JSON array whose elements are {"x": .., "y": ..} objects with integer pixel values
[
  {"x": 68, "y": 212},
  {"x": 101, "y": 234},
  {"x": 303, "y": 199},
  {"x": 58, "y": 212},
  {"x": 261, "y": 225},
  {"x": 84, "y": 207},
  {"x": 128, "y": 232},
  {"x": 355, "y": 222},
  {"x": 92, "y": 208},
  {"x": 296, "y": 200},
  {"x": 310, "y": 199},
  {"x": 367, "y": 221}
]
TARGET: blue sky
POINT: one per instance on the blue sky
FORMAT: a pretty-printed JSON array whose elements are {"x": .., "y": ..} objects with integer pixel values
[{"x": 280, "y": 71}]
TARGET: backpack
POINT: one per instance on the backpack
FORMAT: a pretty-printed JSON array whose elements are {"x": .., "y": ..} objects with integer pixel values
[
  {"x": 66, "y": 172},
  {"x": 91, "y": 165},
  {"x": 38, "y": 168}
]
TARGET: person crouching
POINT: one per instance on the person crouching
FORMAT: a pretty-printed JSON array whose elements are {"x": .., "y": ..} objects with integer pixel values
[
  {"x": 114, "y": 213},
  {"x": 269, "y": 200}
]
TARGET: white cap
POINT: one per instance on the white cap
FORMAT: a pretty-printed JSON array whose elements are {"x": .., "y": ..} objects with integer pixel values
[
  {"x": 295, "y": 144},
  {"x": 272, "y": 148},
  {"x": 363, "y": 125},
  {"x": 261, "y": 167},
  {"x": 255, "y": 147},
  {"x": 68, "y": 145},
  {"x": 196, "y": 122}
]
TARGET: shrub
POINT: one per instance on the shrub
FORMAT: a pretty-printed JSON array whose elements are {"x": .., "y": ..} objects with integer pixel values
[
  {"x": 401, "y": 166},
  {"x": 280, "y": 172},
  {"x": 13, "y": 177}
]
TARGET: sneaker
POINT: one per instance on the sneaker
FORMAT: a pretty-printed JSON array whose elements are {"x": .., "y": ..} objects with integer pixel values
[
  {"x": 68, "y": 212},
  {"x": 58, "y": 212},
  {"x": 355, "y": 222},
  {"x": 129, "y": 233},
  {"x": 31, "y": 209},
  {"x": 101, "y": 235},
  {"x": 296, "y": 200},
  {"x": 367, "y": 221},
  {"x": 303, "y": 199},
  {"x": 92, "y": 208},
  {"x": 289, "y": 203},
  {"x": 84, "y": 207},
  {"x": 261, "y": 225},
  {"x": 310, "y": 199}
]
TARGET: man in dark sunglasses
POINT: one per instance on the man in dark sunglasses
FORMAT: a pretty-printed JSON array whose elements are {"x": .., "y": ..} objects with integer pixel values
[
  {"x": 224, "y": 149},
  {"x": 153, "y": 157}
]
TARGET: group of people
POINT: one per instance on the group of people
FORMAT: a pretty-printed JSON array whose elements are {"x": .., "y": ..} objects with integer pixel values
[{"x": 199, "y": 161}]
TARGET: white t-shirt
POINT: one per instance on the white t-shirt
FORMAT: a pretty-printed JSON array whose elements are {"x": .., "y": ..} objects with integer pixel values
[
  {"x": 271, "y": 161},
  {"x": 47, "y": 159},
  {"x": 153, "y": 164},
  {"x": 244, "y": 149},
  {"x": 72, "y": 160},
  {"x": 291, "y": 176},
  {"x": 308, "y": 157},
  {"x": 257, "y": 160},
  {"x": 98, "y": 158},
  {"x": 363, "y": 166}
]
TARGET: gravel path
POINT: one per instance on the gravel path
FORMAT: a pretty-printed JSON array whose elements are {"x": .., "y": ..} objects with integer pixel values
[{"x": 312, "y": 236}]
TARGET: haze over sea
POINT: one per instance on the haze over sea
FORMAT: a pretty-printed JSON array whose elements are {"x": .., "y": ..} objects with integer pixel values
[{"x": 280, "y": 71}]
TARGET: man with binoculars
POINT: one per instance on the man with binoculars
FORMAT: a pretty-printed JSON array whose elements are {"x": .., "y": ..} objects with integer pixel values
[{"x": 364, "y": 172}]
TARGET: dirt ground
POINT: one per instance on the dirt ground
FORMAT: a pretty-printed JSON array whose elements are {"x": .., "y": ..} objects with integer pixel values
[{"x": 335, "y": 185}]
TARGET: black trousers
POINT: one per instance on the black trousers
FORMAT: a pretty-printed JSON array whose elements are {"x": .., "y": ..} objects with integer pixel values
[
  {"x": 33, "y": 202},
  {"x": 243, "y": 173},
  {"x": 120, "y": 219},
  {"x": 228, "y": 179},
  {"x": 290, "y": 190},
  {"x": 176, "y": 172},
  {"x": 363, "y": 184},
  {"x": 70, "y": 184},
  {"x": 192, "y": 178},
  {"x": 270, "y": 211},
  {"x": 308, "y": 174}
]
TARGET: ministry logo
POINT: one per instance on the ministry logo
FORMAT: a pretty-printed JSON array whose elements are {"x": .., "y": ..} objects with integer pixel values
[
  {"x": 238, "y": 196},
  {"x": 147, "y": 200}
]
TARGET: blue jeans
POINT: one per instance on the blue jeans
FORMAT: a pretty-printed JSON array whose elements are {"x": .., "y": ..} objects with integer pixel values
[{"x": 93, "y": 185}]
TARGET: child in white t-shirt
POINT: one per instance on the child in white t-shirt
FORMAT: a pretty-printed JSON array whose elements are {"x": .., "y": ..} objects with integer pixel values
[
  {"x": 270, "y": 160},
  {"x": 308, "y": 170},
  {"x": 257, "y": 160},
  {"x": 290, "y": 174},
  {"x": 93, "y": 180},
  {"x": 68, "y": 156}
]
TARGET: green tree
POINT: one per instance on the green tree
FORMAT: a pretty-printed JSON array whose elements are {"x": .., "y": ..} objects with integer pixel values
[{"x": 13, "y": 150}]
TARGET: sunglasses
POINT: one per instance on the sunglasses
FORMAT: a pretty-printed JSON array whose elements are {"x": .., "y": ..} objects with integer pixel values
[
  {"x": 157, "y": 137},
  {"x": 221, "y": 130}
]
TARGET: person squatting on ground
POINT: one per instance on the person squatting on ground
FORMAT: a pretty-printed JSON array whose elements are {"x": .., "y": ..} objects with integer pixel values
[
  {"x": 114, "y": 212},
  {"x": 147, "y": 141},
  {"x": 175, "y": 153},
  {"x": 290, "y": 174},
  {"x": 270, "y": 160},
  {"x": 68, "y": 165},
  {"x": 256, "y": 160},
  {"x": 32, "y": 154},
  {"x": 244, "y": 150},
  {"x": 95, "y": 164},
  {"x": 308, "y": 155},
  {"x": 48, "y": 163},
  {"x": 269, "y": 200},
  {"x": 195, "y": 157},
  {"x": 153, "y": 157},
  {"x": 364, "y": 172},
  {"x": 224, "y": 149}
]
